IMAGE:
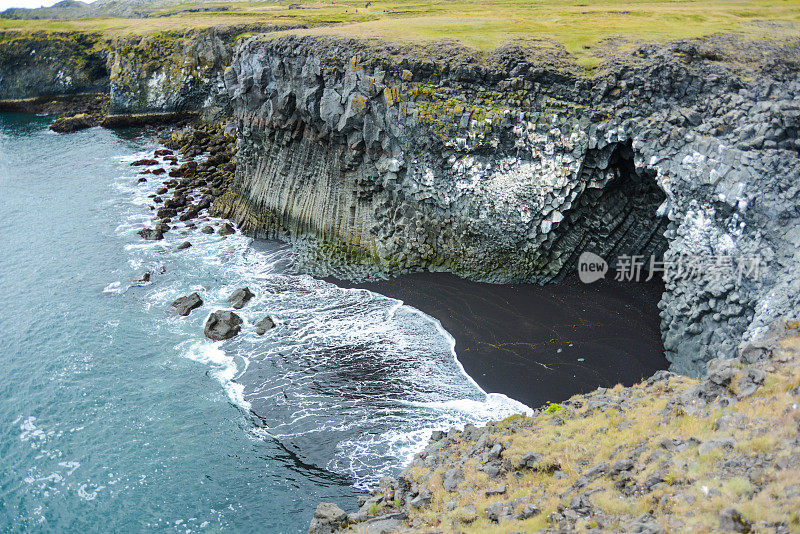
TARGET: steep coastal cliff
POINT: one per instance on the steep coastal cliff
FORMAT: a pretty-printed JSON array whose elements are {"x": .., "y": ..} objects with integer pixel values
[
  {"x": 376, "y": 158},
  {"x": 379, "y": 158},
  {"x": 41, "y": 64},
  {"x": 173, "y": 72}
]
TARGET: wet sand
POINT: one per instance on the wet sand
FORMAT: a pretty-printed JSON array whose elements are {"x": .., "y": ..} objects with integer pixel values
[{"x": 541, "y": 343}]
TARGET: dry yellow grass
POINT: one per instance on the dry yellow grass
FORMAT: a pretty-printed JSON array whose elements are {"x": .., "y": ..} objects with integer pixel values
[
  {"x": 579, "y": 25},
  {"x": 695, "y": 488}
]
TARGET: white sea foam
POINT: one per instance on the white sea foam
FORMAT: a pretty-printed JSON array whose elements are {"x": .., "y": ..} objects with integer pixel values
[
  {"x": 224, "y": 368},
  {"x": 350, "y": 380}
]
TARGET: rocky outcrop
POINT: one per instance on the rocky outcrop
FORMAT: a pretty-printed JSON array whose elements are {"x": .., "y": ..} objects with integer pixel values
[
  {"x": 38, "y": 64},
  {"x": 73, "y": 123},
  {"x": 376, "y": 159},
  {"x": 240, "y": 297},
  {"x": 174, "y": 72},
  {"x": 264, "y": 324},
  {"x": 671, "y": 454}
]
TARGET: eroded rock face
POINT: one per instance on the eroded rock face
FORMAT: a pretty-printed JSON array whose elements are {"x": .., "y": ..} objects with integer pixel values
[
  {"x": 52, "y": 64},
  {"x": 178, "y": 72},
  {"x": 400, "y": 159}
]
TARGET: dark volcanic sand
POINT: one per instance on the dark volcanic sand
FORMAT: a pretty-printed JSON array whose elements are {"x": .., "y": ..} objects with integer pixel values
[{"x": 525, "y": 341}]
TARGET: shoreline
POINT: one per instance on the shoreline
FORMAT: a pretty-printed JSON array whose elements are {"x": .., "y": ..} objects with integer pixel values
[{"x": 526, "y": 341}]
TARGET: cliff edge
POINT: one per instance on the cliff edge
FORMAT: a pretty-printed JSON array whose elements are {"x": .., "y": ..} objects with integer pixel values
[
  {"x": 670, "y": 454},
  {"x": 380, "y": 159}
]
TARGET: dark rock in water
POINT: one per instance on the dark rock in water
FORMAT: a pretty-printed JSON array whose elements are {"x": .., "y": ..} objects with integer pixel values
[
  {"x": 264, "y": 324},
  {"x": 164, "y": 213},
  {"x": 151, "y": 234},
  {"x": 184, "y": 245},
  {"x": 145, "y": 278},
  {"x": 222, "y": 325},
  {"x": 327, "y": 518},
  {"x": 208, "y": 229},
  {"x": 175, "y": 202},
  {"x": 158, "y": 171},
  {"x": 161, "y": 190},
  {"x": 190, "y": 213},
  {"x": 163, "y": 152},
  {"x": 240, "y": 297},
  {"x": 226, "y": 229},
  {"x": 141, "y": 162},
  {"x": 141, "y": 180},
  {"x": 162, "y": 226},
  {"x": 176, "y": 173},
  {"x": 74, "y": 123},
  {"x": 185, "y": 304}
]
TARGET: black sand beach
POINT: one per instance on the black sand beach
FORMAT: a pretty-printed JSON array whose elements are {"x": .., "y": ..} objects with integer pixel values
[{"x": 541, "y": 343}]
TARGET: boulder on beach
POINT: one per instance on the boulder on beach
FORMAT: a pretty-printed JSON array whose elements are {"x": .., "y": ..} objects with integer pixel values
[
  {"x": 222, "y": 325},
  {"x": 151, "y": 234},
  {"x": 240, "y": 297},
  {"x": 185, "y": 304},
  {"x": 226, "y": 229},
  {"x": 264, "y": 324}
]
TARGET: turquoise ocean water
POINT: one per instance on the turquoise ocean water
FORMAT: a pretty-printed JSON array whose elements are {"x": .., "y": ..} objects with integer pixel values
[{"x": 116, "y": 415}]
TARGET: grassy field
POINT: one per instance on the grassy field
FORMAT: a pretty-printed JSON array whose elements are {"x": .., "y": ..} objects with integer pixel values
[{"x": 578, "y": 24}]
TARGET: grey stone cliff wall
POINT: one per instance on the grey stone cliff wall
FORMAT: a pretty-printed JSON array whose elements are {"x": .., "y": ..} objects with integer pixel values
[
  {"x": 389, "y": 159},
  {"x": 174, "y": 72},
  {"x": 380, "y": 159},
  {"x": 41, "y": 64}
]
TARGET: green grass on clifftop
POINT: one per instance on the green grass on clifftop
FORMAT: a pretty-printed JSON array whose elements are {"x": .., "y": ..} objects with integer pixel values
[{"x": 580, "y": 25}]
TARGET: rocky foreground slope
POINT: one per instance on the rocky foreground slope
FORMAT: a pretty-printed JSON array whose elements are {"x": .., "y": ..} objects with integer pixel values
[{"x": 721, "y": 454}]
